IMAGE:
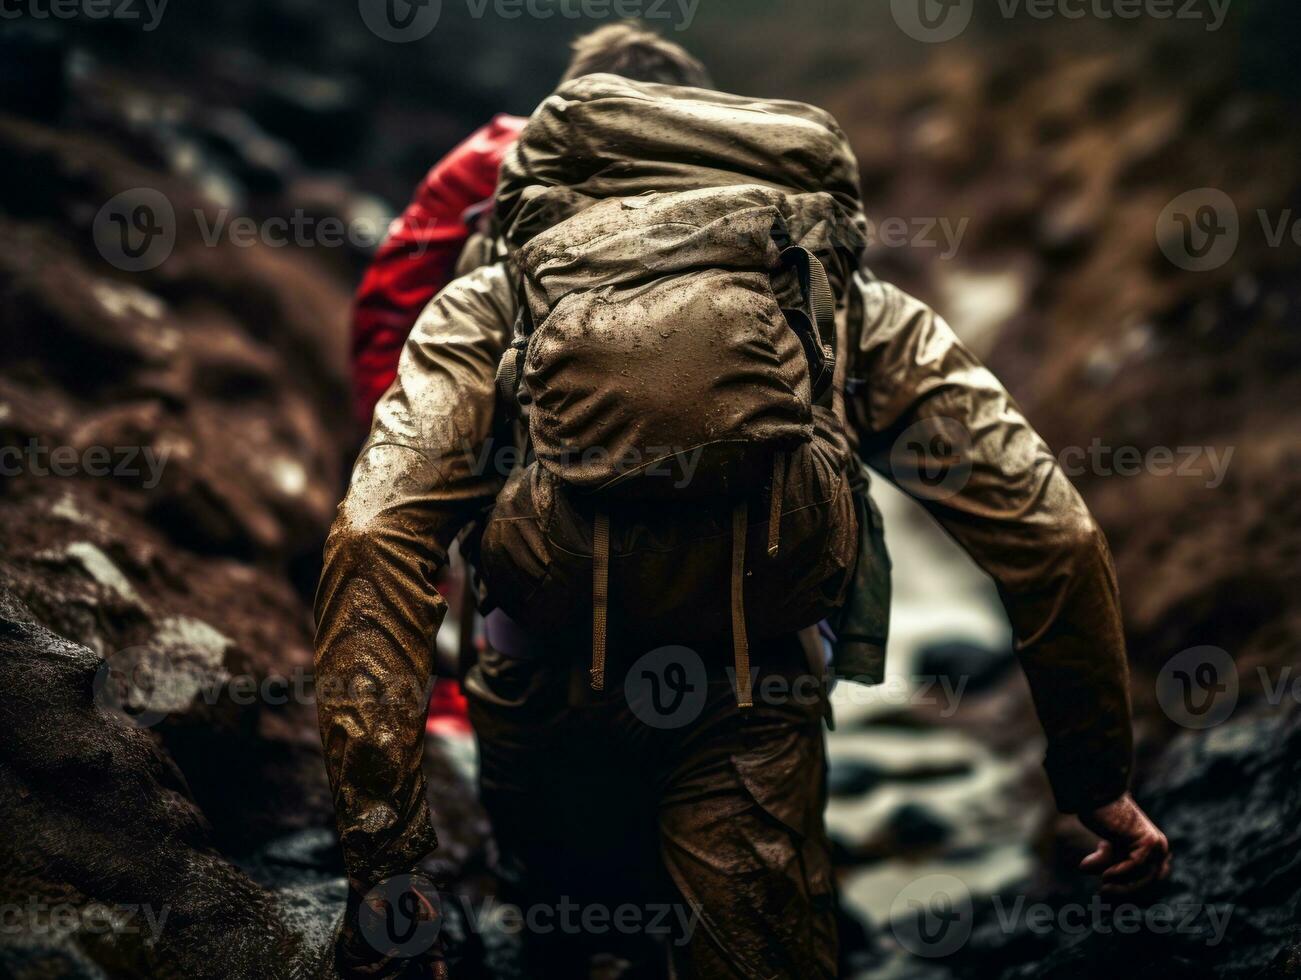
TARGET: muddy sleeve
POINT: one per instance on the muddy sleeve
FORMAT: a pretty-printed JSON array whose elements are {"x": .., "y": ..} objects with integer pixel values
[
  {"x": 420, "y": 478},
  {"x": 937, "y": 423}
]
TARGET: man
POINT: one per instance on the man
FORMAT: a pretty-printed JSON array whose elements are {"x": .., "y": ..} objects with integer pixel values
[{"x": 722, "y": 815}]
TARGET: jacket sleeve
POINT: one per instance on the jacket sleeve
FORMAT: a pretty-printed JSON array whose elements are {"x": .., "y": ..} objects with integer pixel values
[
  {"x": 422, "y": 475},
  {"x": 419, "y": 256},
  {"x": 937, "y": 423}
]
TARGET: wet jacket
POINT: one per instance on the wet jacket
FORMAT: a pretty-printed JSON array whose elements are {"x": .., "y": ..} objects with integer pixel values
[{"x": 420, "y": 480}]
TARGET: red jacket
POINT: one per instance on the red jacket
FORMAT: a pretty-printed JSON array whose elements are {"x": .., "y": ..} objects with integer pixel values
[{"x": 418, "y": 258}]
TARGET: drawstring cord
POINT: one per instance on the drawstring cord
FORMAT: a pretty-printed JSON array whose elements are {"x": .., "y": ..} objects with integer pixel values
[
  {"x": 740, "y": 644},
  {"x": 601, "y": 602},
  {"x": 600, "y": 596}
]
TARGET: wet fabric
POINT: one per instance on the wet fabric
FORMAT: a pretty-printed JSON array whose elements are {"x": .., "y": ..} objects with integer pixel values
[
  {"x": 602, "y": 136},
  {"x": 429, "y": 468},
  {"x": 721, "y": 818}
]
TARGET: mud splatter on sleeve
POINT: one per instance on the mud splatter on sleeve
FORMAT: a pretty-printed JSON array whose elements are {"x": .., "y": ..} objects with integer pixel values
[
  {"x": 419, "y": 479},
  {"x": 936, "y": 422}
]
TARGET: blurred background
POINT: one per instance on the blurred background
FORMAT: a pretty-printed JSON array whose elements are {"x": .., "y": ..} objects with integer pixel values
[{"x": 1098, "y": 194}]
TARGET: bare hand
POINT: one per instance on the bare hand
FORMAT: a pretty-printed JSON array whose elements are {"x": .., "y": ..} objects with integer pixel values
[{"x": 1132, "y": 854}]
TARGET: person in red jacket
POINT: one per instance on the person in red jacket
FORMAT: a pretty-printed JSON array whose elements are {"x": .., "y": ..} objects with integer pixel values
[{"x": 419, "y": 257}]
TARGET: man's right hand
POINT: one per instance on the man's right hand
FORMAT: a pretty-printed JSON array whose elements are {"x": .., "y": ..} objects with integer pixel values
[{"x": 1132, "y": 854}]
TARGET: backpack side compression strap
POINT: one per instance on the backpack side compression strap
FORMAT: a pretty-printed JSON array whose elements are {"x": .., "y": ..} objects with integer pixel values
[{"x": 816, "y": 325}]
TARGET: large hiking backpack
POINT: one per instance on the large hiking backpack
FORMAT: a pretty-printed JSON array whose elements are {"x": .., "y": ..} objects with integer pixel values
[{"x": 675, "y": 360}]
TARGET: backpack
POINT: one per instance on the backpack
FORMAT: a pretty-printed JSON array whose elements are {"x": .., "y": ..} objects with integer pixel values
[{"x": 674, "y": 364}]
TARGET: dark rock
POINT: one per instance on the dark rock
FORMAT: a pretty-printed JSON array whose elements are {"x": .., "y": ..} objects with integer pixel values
[
  {"x": 961, "y": 663},
  {"x": 33, "y": 71},
  {"x": 852, "y": 777},
  {"x": 96, "y": 814},
  {"x": 323, "y": 116},
  {"x": 914, "y": 827}
]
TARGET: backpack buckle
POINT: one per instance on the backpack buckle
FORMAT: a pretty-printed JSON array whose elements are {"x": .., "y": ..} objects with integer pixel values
[{"x": 510, "y": 372}]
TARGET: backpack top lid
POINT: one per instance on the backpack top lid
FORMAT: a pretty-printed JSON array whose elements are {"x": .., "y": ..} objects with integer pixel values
[{"x": 604, "y": 136}]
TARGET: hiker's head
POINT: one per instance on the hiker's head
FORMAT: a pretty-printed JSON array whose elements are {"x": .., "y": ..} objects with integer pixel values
[{"x": 634, "y": 51}]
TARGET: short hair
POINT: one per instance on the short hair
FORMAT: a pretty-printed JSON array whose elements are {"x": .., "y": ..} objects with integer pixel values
[{"x": 634, "y": 51}]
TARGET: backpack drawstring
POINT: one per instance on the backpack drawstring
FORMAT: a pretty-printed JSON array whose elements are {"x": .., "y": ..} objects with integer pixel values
[
  {"x": 740, "y": 644},
  {"x": 600, "y": 596},
  {"x": 778, "y": 491},
  {"x": 601, "y": 601}
]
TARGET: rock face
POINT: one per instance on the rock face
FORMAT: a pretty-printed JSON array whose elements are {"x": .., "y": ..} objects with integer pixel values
[
  {"x": 173, "y": 444},
  {"x": 175, "y": 427},
  {"x": 106, "y": 853}
]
